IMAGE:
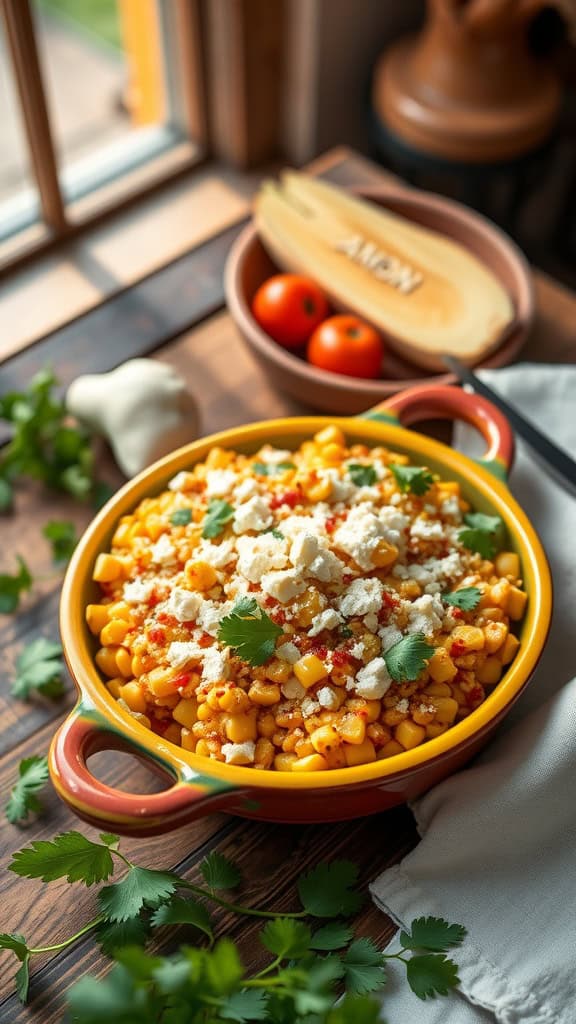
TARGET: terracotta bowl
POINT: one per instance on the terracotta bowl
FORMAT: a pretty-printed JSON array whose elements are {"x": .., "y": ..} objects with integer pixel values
[
  {"x": 198, "y": 786},
  {"x": 249, "y": 265}
]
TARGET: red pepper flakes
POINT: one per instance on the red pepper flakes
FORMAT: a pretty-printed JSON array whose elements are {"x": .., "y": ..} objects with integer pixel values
[
  {"x": 154, "y": 599},
  {"x": 475, "y": 696},
  {"x": 340, "y": 657},
  {"x": 290, "y": 498},
  {"x": 278, "y": 616},
  {"x": 179, "y": 682},
  {"x": 457, "y": 649},
  {"x": 457, "y": 613},
  {"x": 156, "y": 635},
  {"x": 392, "y": 600},
  {"x": 270, "y": 602},
  {"x": 330, "y": 524},
  {"x": 205, "y": 640},
  {"x": 320, "y": 650}
]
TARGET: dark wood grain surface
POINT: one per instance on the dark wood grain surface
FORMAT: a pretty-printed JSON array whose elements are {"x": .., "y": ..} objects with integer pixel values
[{"x": 231, "y": 390}]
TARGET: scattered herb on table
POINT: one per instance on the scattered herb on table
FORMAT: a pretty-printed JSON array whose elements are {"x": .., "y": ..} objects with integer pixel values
[
  {"x": 39, "y": 668},
  {"x": 311, "y": 967},
  {"x": 218, "y": 514},
  {"x": 482, "y": 533},
  {"x": 362, "y": 476},
  {"x": 466, "y": 598},
  {"x": 61, "y": 533},
  {"x": 23, "y": 801},
  {"x": 13, "y": 586},
  {"x": 407, "y": 658},
  {"x": 414, "y": 479},
  {"x": 249, "y": 631}
]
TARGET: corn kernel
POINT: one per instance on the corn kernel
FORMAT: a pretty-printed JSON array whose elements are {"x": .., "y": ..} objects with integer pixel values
[
  {"x": 359, "y": 753},
  {"x": 499, "y": 593},
  {"x": 330, "y": 435},
  {"x": 240, "y": 728},
  {"x": 202, "y": 748},
  {"x": 390, "y": 749},
  {"x": 441, "y": 667},
  {"x": 438, "y": 689},
  {"x": 124, "y": 662},
  {"x": 107, "y": 568},
  {"x": 97, "y": 617},
  {"x": 446, "y": 708},
  {"x": 185, "y": 712},
  {"x": 373, "y": 709},
  {"x": 470, "y": 638},
  {"x": 278, "y": 671},
  {"x": 264, "y": 694},
  {"x": 140, "y": 664},
  {"x": 489, "y": 672},
  {"x": 200, "y": 575},
  {"x": 121, "y": 537},
  {"x": 324, "y": 738},
  {"x": 161, "y": 681},
  {"x": 409, "y": 734},
  {"x": 173, "y": 733},
  {"x": 284, "y": 762},
  {"x": 516, "y": 603},
  {"x": 114, "y": 632},
  {"x": 187, "y": 740},
  {"x": 507, "y": 563},
  {"x": 235, "y": 700},
  {"x": 508, "y": 650},
  {"x": 204, "y": 713},
  {"x": 436, "y": 729},
  {"x": 134, "y": 696},
  {"x": 352, "y": 729},
  {"x": 106, "y": 661},
  {"x": 495, "y": 633},
  {"x": 309, "y": 670},
  {"x": 309, "y": 605},
  {"x": 312, "y": 763},
  {"x": 318, "y": 490},
  {"x": 114, "y": 686},
  {"x": 384, "y": 554},
  {"x": 266, "y": 725}
]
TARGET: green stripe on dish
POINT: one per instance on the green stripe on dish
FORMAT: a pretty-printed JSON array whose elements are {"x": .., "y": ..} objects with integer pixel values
[{"x": 380, "y": 417}]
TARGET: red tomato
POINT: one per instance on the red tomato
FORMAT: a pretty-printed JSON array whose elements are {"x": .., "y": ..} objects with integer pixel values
[
  {"x": 289, "y": 307},
  {"x": 345, "y": 344}
]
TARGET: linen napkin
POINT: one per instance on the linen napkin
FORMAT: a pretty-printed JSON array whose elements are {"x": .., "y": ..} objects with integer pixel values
[{"x": 498, "y": 846}]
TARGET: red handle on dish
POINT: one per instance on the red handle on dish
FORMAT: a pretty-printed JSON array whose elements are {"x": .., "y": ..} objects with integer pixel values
[
  {"x": 84, "y": 733},
  {"x": 437, "y": 402}
]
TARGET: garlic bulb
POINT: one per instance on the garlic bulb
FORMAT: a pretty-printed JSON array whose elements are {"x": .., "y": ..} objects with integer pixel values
[{"x": 143, "y": 409}]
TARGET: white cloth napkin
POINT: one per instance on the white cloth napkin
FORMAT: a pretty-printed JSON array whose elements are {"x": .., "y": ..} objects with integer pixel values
[{"x": 498, "y": 848}]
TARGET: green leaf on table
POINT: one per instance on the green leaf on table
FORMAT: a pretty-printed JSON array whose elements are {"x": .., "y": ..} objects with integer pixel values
[
  {"x": 364, "y": 969},
  {"x": 432, "y": 933},
  {"x": 414, "y": 479},
  {"x": 219, "y": 872},
  {"x": 407, "y": 658},
  {"x": 13, "y": 586},
  {"x": 17, "y": 943},
  {"x": 39, "y": 669},
  {"x": 334, "y": 935},
  {"x": 118, "y": 934},
  {"x": 361, "y": 476},
  {"x": 23, "y": 980},
  {"x": 466, "y": 598},
  {"x": 116, "y": 999},
  {"x": 328, "y": 890},
  {"x": 249, "y": 631},
  {"x": 70, "y": 855},
  {"x": 32, "y": 777},
  {"x": 286, "y": 938},
  {"x": 181, "y": 517},
  {"x": 140, "y": 887},
  {"x": 246, "y": 1005},
  {"x": 223, "y": 967},
  {"x": 218, "y": 514},
  {"x": 62, "y": 536},
  {"x": 6, "y": 494},
  {"x": 356, "y": 1010},
  {"x": 183, "y": 911},
  {"x": 431, "y": 974}
]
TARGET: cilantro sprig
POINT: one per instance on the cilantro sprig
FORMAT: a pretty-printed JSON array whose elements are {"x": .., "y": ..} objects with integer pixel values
[
  {"x": 181, "y": 517},
  {"x": 483, "y": 533},
  {"x": 13, "y": 586},
  {"x": 249, "y": 631},
  {"x": 39, "y": 669},
  {"x": 23, "y": 800},
  {"x": 407, "y": 658},
  {"x": 309, "y": 969},
  {"x": 360, "y": 475},
  {"x": 414, "y": 479},
  {"x": 466, "y": 598},
  {"x": 61, "y": 533},
  {"x": 218, "y": 515},
  {"x": 271, "y": 468}
]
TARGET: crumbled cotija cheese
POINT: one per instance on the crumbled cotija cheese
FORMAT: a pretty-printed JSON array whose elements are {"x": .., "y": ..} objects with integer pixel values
[
  {"x": 239, "y": 753},
  {"x": 138, "y": 590},
  {"x": 258, "y": 555},
  {"x": 163, "y": 552},
  {"x": 284, "y": 585},
  {"x": 253, "y": 514},
  {"x": 184, "y": 605},
  {"x": 219, "y": 482},
  {"x": 425, "y": 614},
  {"x": 328, "y": 619},
  {"x": 373, "y": 681},
  {"x": 362, "y": 596},
  {"x": 288, "y": 652}
]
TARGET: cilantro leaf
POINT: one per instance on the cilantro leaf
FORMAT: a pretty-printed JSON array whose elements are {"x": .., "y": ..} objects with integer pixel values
[
  {"x": 356, "y": 1010},
  {"x": 250, "y": 632},
  {"x": 32, "y": 776},
  {"x": 183, "y": 911},
  {"x": 364, "y": 969},
  {"x": 275, "y": 532},
  {"x": 219, "y": 872},
  {"x": 14, "y": 941},
  {"x": 70, "y": 855},
  {"x": 141, "y": 886},
  {"x": 407, "y": 658},
  {"x": 362, "y": 476},
  {"x": 181, "y": 517},
  {"x": 480, "y": 521},
  {"x": 286, "y": 938},
  {"x": 12, "y": 587},
  {"x": 17, "y": 943},
  {"x": 416, "y": 479},
  {"x": 246, "y": 1005},
  {"x": 62, "y": 536},
  {"x": 39, "y": 668},
  {"x": 219, "y": 513},
  {"x": 328, "y": 890},
  {"x": 331, "y": 936},
  {"x": 23, "y": 979},
  {"x": 432, "y": 974},
  {"x": 271, "y": 468},
  {"x": 223, "y": 968},
  {"x": 478, "y": 540},
  {"x": 117, "y": 998},
  {"x": 117, "y": 935},
  {"x": 6, "y": 495},
  {"x": 466, "y": 598},
  {"x": 432, "y": 933}
]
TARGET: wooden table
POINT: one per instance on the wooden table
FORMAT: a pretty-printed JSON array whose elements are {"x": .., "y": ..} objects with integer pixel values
[{"x": 231, "y": 390}]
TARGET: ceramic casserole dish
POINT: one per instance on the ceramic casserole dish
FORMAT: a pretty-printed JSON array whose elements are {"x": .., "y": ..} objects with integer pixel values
[{"x": 197, "y": 785}]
